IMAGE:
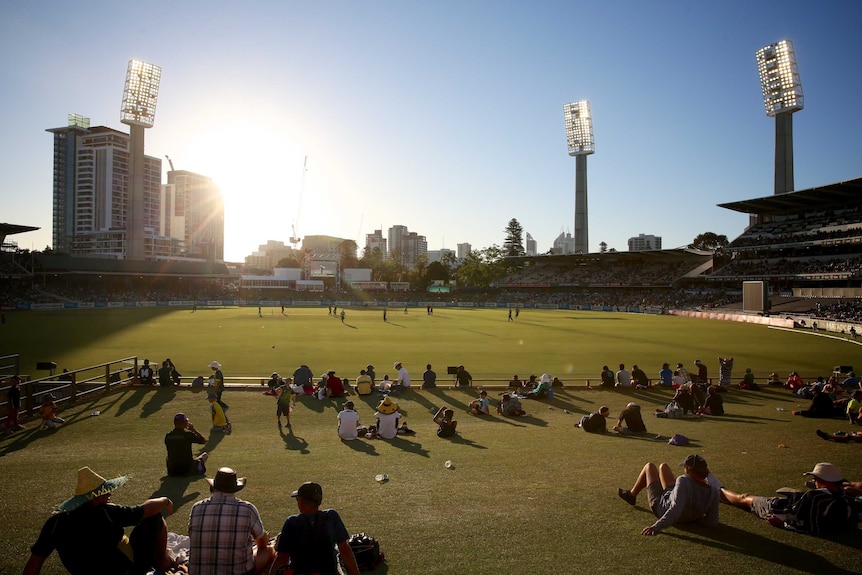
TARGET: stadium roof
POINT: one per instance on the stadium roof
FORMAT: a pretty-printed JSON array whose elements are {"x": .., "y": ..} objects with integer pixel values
[
  {"x": 11, "y": 229},
  {"x": 838, "y": 194},
  {"x": 89, "y": 266}
]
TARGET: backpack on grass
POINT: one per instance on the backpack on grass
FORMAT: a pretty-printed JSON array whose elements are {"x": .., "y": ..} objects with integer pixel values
[{"x": 366, "y": 549}]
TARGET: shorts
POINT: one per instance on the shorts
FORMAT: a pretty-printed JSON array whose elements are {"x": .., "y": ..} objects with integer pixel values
[
  {"x": 658, "y": 498},
  {"x": 282, "y": 410},
  {"x": 763, "y": 506}
]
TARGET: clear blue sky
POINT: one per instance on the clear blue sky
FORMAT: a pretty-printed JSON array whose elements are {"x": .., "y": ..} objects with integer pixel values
[{"x": 442, "y": 116}]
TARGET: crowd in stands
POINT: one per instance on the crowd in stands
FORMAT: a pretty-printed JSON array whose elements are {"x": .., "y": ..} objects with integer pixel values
[
  {"x": 850, "y": 266},
  {"x": 818, "y": 226},
  {"x": 599, "y": 273}
]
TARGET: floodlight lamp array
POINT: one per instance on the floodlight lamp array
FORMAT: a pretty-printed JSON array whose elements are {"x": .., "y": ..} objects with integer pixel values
[
  {"x": 779, "y": 78},
  {"x": 140, "y": 94},
  {"x": 579, "y": 128}
]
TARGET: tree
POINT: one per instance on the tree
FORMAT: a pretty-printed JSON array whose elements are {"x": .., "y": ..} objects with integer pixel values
[
  {"x": 709, "y": 241},
  {"x": 481, "y": 268},
  {"x": 514, "y": 244},
  {"x": 288, "y": 262},
  {"x": 347, "y": 254}
]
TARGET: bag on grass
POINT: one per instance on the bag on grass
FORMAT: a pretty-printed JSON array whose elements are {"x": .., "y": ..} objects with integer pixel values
[
  {"x": 673, "y": 410},
  {"x": 366, "y": 549},
  {"x": 678, "y": 439}
]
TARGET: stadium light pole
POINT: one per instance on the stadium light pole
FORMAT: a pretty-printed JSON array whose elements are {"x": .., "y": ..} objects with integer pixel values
[
  {"x": 579, "y": 136},
  {"x": 782, "y": 96},
  {"x": 138, "y": 112}
]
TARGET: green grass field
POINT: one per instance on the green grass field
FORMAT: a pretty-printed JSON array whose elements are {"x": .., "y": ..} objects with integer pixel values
[{"x": 530, "y": 495}]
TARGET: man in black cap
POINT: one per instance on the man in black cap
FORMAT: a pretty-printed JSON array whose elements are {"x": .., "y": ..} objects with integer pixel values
[
  {"x": 87, "y": 532},
  {"x": 226, "y": 533},
  {"x": 824, "y": 510},
  {"x": 178, "y": 442},
  {"x": 693, "y": 496},
  {"x": 308, "y": 540}
]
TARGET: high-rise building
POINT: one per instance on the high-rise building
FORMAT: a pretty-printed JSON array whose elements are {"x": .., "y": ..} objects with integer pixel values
[
  {"x": 463, "y": 250},
  {"x": 268, "y": 255},
  {"x": 91, "y": 193},
  {"x": 406, "y": 246},
  {"x": 531, "y": 248},
  {"x": 192, "y": 211},
  {"x": 644, "y": 242},
  {"x": 375, "y": 241},
  {"x": 564, "y": 244},
  {"x": 438, "y": 255}
]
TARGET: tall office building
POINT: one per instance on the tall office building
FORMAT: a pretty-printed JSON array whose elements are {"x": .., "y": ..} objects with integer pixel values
[
  {"x": 531, "y": 248},
  {"x": 564, "y": 244},
  {"x": 91, "y": 193},
  {"x": 644, "y": 242},
  {"x": 463, "y": 250},
  {"x": 192, "y": 211},
  {"x": 407, "y": 246},
  {"x": 375, "y": 241}
]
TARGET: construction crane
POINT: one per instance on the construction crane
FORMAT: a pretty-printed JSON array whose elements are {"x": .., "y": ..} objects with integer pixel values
[
  {"x": 295, "y": 239},
  {"x": 170, "y": 162}
]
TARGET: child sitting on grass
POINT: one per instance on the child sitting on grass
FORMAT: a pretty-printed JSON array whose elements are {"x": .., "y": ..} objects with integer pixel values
[{"x": 48, "y": 411}]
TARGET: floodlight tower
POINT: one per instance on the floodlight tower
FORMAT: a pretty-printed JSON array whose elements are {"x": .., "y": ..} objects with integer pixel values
[
  {"x": 782, "y": 95},
  {"x": 138, "y": 112},
  {"x": 579, "y": 135}
]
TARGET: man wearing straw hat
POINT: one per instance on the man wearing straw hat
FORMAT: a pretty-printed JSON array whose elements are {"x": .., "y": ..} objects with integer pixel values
[
  {"x": 226, "y": 533},
  {"x": 87, "y": 532}
]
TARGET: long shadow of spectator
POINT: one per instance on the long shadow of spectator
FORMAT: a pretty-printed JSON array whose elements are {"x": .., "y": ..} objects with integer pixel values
[
  {"x": 132, "y": 400},
  {"x": 733, "y": 540},
  {"x": 411, "y": 446},
  {"x": 215, "y": 438},
  {"x": 293, "y": 442},
  {"x": 362, "y": 446},
  {"x": 175, "y": 489},
  {"x": 464, "y": 441},
  {"x": 157, "y": 400}
]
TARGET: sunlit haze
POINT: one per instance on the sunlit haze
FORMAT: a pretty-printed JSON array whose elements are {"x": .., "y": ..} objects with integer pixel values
[{"x": 446, "y": 117}]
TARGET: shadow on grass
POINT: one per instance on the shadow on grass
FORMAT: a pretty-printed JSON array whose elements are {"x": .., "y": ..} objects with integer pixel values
[
  {"x": 157, "y": 400},
  {"x": 215, "y": 438},
  {"x": 360, "y": 446},
  {"x": 132, "y": 400},
  {"x": 294, "y": 442},
  {"x": 731, "y": 539},
  {"x": 409, "y": 446},
  {"x": 174, "y": 488},
  {"x": 468, "y": 442}
]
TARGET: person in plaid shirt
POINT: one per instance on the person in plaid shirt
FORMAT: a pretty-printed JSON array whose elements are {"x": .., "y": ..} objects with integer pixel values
[{"x": 226, "y": 533}]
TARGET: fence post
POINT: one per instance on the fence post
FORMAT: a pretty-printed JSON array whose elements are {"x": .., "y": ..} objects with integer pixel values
[
  {"x": 107, "y": 377},
  {"x": 73, "y": 395}
]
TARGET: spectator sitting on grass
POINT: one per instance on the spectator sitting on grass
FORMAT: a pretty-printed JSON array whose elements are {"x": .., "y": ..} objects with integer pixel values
[
  {"x": 631, "y": 415},
  {"x": 639, "y": 378},
  {"x": 48, "y": 412},
  {"x": 180, "y": 460},
  {"x": 387, "y": 416},
  {"x": 685, "y": 399},
  {"x": 480, "y": 405},
  {"x": 595, "y": 422},
  {"x": 445, "y": 424},
  {"x": 691, "y": 497},
  {"x": 824, "y": 510},
  {"x": 821, "y": 405},
  {"x": 348, "y": 422},
  {"x": 541, "y": 389},
  {"x": 87, "y": 532},
  {"x": 607, "y": 377},
  {"x": 714, "y": 404},
  {"x": 510, "y": 406}
]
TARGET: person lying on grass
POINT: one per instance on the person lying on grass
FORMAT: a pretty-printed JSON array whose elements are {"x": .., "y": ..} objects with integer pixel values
[
  {"x": 824, "y": 510},
  {"x": 692, "y": 497}
]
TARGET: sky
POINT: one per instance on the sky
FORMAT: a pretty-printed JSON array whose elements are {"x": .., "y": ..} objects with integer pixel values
[{"x": 445, "y": 117}]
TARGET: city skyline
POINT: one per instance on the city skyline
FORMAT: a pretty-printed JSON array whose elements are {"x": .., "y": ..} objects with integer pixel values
[{"x": 443, "y": 118}]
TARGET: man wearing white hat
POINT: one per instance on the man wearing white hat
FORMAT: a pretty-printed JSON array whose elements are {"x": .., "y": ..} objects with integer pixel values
[
  {"x": 87, "y": 532},
  {"x": 824, "y": 510}
]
